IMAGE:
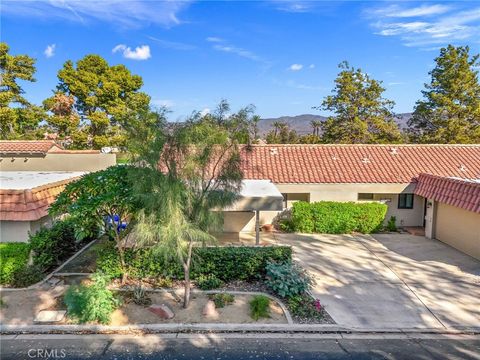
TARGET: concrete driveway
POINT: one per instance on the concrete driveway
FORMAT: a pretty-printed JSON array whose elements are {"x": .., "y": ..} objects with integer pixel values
[{"x": 391, "y": 280}]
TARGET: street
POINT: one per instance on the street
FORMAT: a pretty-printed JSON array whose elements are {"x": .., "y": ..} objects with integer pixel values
[{"x": 240, "y": 346}]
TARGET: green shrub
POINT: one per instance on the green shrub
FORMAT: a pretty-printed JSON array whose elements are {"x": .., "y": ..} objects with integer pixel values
[
  {"x": 330, "y": 217},
  {"x": 208, "y": 282},
  {"x": 13, "y": 258},
  {"x": 287, "y": 279},
  {"x": 305, "y": 306},
  {"x": 225, "y": 263},
  {"x": 222, "y": 299},
  {"x": 27, "y": 275},
  {"x": 89, "y": 303},
  {"x": 259, "y": 307},
  {"x": 392, "y": 224}
]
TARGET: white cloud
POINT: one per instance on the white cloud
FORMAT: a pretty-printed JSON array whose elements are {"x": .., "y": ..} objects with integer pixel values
[
  {"x": 172, "y": 44},
  {"x": 205, "y": 112},
  {"x": 238, "y": 51},
  {"x": 311, "y": 66},
  {"x": 434, "y": 26},
  {"x": 50, "y": 50},
  {"x": 295, "y": 67},
  {"x": 163, "y": 103},
  {"x": 127, "y": 14},
  {"x": 140, "y": 52},
  {"x": 423, "y": 10},
  {"x": 294, "y": 6},
  {"x": 214, "y": 39}
]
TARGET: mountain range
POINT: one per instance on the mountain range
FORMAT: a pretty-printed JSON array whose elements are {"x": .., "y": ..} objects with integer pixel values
[{"x": 301, "y": 123}]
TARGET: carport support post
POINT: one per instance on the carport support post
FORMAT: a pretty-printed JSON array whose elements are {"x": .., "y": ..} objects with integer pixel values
[{"x": 257, "y": 227}]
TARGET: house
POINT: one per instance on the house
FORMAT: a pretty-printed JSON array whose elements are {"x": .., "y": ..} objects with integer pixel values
[
  {"x": 32, "y": 174},
  {"x": 47, "y": 155},
  {"x": 386, "y": 173}
]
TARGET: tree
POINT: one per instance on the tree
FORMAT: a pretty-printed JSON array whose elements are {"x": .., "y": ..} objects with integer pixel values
[
  {"x": 316, "y": 126},
  {"x": 361, "y": 114},
  {"x": 450, "y": 109},
  {"x": 103, "y": 95},
  {"x": 17, "y": 116},
  {"x": 309, "y": 139},
  {"x": 281, "y": 134},
  {"x": 195, "y": 173},
  {"x": 63, "y": 119},
  {"x": 104, "y": 198}
]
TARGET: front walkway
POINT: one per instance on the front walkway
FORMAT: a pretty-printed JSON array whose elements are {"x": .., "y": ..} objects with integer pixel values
[{"x": 391, "y": 280}]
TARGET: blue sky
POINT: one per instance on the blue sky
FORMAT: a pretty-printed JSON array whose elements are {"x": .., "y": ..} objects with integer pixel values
[{"x": 281, "y": 56}]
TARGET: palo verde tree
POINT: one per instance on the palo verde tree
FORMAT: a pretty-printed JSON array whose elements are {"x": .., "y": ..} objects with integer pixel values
[
  {"x": 103, "y": 198},
  {"x": 450, "y": 109},
  {"x": 361, "y": 114},
  {"x": 103, "y": 94},
  {"x": 18, "y": 117},
  {"x": 195, "y": 172}
]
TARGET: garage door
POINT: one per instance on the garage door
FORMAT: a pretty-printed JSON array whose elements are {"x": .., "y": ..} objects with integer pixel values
[{"x": 458, "y": 228}]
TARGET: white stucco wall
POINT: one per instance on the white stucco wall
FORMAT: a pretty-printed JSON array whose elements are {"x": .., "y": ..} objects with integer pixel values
[{"x": 17, "y": 231}]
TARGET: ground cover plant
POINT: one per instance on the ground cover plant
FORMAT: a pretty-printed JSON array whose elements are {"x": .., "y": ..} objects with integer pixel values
[
  {"x": 259, "y": 307},
  {"x": 287, "y": 279},
  {"x": 222, "y": 299},
  {"x": 13, "y": 257},
  {"x": 330, "y": 217}
]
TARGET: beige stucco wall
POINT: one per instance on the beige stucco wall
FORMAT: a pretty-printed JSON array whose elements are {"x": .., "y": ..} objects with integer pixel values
[
  {"x": 59, "y": 162},
  {"x": 245, "y": 222},
  {"x": 458, "y": 228},
  {"x": 18, "y": 231}
]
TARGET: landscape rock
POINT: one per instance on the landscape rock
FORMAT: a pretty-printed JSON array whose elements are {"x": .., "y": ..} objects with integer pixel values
[
  {"x": 162, "y": 311},
  {"x": 209, "y": 310},
  {"x": 50, "y": 316}
]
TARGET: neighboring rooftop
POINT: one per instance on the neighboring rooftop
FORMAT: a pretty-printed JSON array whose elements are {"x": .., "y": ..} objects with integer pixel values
[
  {"x": 27, "y": 195},
  {"x": 310, "y": 164},
  {"x": 462, "y": 193},
  {"x": 26, "y": 147}
]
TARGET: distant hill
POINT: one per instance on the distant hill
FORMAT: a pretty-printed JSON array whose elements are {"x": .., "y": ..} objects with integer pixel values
[{"x": 301, "y": 123}]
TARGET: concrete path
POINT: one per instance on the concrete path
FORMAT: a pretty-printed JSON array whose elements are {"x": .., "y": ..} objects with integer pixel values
[
  {"x": 391, "y": 280},
  {"x": 239, "y": 346}
]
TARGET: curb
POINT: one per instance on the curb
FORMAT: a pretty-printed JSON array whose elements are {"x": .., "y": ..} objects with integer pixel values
[{"x": 223, "y": 328}]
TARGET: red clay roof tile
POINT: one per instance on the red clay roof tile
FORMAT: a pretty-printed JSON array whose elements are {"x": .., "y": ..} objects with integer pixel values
[{"x": 37, "y": 147}]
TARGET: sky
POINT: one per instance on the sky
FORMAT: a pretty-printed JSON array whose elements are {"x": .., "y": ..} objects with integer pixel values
[{"x": 281, "y": 56}]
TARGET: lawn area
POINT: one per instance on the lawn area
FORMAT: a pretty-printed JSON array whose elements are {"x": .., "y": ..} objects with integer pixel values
[{"x": 13, "y": 257}]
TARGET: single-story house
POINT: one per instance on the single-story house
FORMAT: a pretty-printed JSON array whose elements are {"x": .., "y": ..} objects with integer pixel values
[
  {"x": 386, "y": 173},
  {"x": 32, "y": 174}
]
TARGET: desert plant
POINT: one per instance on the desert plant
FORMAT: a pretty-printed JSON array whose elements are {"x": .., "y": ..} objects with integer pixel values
[
  {"x": 94, "y": 302},
  {"x": 259, "y": 307},
  {"x": 208, "y": 282},
  {"x": 287, "y": 279},
  {"x": 392, "y": 224},
  {"x": 140, "y": 296},
  {"x": 222, "y": 299}
]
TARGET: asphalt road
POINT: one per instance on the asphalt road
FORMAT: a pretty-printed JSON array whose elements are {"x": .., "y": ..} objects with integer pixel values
[{"x": 234, "y": 346}]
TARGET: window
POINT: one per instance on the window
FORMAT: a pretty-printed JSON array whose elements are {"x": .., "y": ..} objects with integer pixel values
[
  {"x": 365, "y": 196},
  {"x": 405, "y": 201}
]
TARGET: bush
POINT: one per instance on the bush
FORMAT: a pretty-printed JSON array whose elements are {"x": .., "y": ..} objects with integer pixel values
[
  {"x": 222, "y": 299},
  {"x": 305, "y": 306},
  {"x": 13, "y": 258},
  {"x": 287, "y": 279},
  {"x": 94, "y": 302},
  {"x": 208, "y": 282},
  {"x": 224, "y": 263},
  {"x": 259, "y": 307},
  {"x": 392, "y": 224},
  {"x": 331, "y": 217},
  {"x": 27, "y": 275}
]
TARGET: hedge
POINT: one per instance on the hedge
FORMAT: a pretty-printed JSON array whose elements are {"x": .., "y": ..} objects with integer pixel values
[
  {"x": 330, "y": 217},
  {"x": 226, "y": 263},
  {"x": 13, "y": 257}
]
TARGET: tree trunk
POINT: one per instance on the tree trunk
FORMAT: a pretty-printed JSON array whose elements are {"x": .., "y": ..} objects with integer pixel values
[
  {"x": 121, "y": 255},
  {"x": 186, "y": 270}
]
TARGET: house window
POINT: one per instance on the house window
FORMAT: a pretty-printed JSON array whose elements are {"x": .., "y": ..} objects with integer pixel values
[
  {"x": 405, "y": 201},
  {"x": 365, "y": 196}
]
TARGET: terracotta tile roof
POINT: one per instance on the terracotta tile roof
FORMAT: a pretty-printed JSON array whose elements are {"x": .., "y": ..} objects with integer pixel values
[
  {"x": 29, "y": 204},
  {"x": 37, "y": 147},
  {"x": 456, "y": 192},
  {"x": 311, "y": 164}
]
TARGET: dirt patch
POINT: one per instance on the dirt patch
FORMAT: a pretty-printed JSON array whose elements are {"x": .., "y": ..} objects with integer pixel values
[
  {"x": 236, "y": 313},
  {"x": 86, "y": 262}
]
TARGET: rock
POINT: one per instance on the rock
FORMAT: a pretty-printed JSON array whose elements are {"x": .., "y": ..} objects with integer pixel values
[
  {"x": 49, "y": 316},
  {"x": 162, "y": 311},
  {"x": 209, "y": 310}
]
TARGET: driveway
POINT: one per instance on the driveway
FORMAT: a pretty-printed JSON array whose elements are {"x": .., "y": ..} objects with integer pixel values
[{"x": 391, "y": 280}]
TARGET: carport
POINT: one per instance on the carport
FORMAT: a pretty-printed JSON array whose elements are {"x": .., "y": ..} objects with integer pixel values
[{"x": 256, "y": 196}]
